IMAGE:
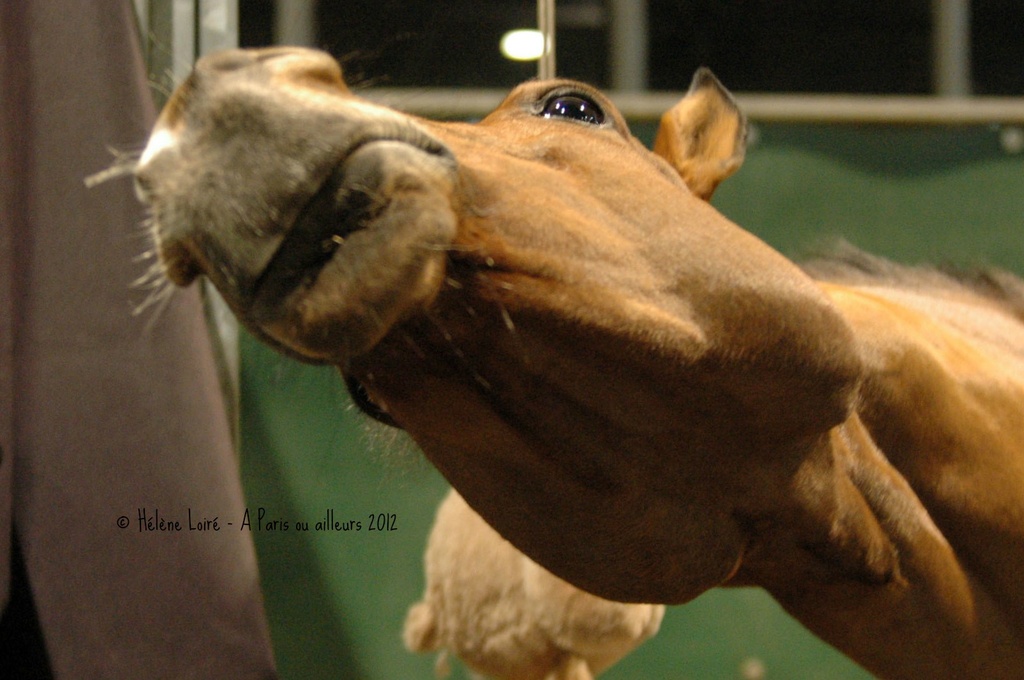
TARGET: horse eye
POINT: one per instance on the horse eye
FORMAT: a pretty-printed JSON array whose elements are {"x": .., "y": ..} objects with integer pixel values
[{"x": 574, "y": 107}]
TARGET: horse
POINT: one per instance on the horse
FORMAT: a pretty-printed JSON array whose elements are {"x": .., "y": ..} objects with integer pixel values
[{"x": 645, "y": 399}]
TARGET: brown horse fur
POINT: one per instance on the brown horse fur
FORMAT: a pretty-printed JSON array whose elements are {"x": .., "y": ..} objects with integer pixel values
[{"x": 639, "y": 395}]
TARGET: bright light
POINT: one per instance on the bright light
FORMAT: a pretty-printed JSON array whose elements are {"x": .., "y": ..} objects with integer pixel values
[{"x": 523, "y": 45}]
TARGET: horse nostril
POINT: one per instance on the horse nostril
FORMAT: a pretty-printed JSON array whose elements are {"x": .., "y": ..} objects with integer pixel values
[
  {"x": 299, "y": 65},
  {"x": 268, "y": 53},
  {"x": 302, "y": 65},
  {"x": 228, "y": 60}
]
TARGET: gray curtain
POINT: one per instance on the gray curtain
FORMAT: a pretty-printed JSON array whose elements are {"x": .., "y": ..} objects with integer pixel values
[{"x": 104, "y": 415}]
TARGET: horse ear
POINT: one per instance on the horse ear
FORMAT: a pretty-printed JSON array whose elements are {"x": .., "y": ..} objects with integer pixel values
[{"x": 704, "y": 136}]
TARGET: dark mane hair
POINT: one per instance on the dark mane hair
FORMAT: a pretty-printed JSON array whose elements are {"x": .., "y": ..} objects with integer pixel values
[{"x": 847, "y": 264}]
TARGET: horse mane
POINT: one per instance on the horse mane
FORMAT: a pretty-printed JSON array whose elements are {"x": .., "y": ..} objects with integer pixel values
[{"x": 844, "y": 263}]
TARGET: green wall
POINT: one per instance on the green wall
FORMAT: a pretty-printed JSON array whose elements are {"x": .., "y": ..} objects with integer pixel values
[
  {"x": 916, "y": 194},
  {"x": 336, "y": 600}
]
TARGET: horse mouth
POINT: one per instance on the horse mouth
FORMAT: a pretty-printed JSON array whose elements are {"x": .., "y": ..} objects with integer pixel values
[
  {"x": 350, "y": 200},
  {"x": 363, "y": 252},
  {"x": 332, "y": 214}
]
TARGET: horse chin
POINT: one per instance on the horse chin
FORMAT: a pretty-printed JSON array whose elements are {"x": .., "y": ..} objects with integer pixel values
[{"x": 367, "y": 251}]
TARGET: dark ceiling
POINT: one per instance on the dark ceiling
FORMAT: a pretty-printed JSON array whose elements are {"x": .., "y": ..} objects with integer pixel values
[{"x": 856, "y": 46}]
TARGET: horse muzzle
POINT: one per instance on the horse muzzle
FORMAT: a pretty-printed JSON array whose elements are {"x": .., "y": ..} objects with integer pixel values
[{"x": 320, "y": 218}]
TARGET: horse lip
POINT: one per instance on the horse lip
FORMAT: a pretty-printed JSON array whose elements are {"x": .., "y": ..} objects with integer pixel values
[
  {"x": 316, "y": 233},
  {"x": 308, "y": 244}
]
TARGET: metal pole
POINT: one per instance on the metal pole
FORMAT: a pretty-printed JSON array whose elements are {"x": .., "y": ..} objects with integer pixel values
[
  {"x": 218, "y": 25},
  {"x": 218, "y": 30},
  {"x": 295, "y": 23},
  {"x": 546, "y": 26},
  {"x": 628, "y": 45},
  {"x": 142, "y": 15},
  {"x": 460, "y": 104},
  {"x": 170, "y": 37},
  {"x": 951, "y": 47},
  {"x": 175, "y": 34}
]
